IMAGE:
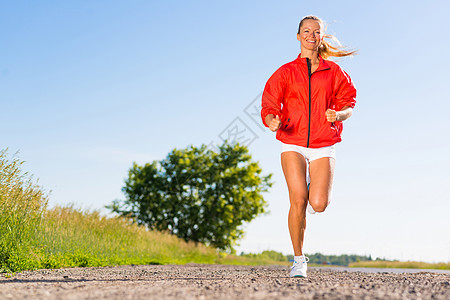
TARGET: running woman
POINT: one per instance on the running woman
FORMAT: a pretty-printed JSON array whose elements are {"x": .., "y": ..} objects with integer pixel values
[{"x": 305, "y": 102}]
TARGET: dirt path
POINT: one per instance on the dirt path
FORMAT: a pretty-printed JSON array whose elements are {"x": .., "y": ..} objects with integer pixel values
[{"x": 220, "y": 282}]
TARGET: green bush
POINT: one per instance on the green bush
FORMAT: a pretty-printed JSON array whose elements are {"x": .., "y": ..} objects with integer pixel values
[{"x": 197, "y": 194}]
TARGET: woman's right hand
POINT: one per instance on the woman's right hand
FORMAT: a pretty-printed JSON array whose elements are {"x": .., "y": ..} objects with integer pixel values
[{"x": 273, "y": 122}]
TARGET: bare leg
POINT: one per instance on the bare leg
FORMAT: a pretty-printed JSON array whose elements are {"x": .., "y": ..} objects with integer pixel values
[
  {"x": 294, "y": 169},
  {"x": 321, "y": 171}
]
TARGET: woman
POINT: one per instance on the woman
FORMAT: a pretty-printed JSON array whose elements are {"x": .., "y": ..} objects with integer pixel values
[{"x": 305, "y": 102}]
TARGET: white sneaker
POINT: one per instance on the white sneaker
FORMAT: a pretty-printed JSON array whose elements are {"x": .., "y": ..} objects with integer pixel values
[{"x": 299, "y": 268}]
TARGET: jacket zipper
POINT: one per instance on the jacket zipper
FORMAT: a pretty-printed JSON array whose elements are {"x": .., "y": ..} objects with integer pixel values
[{"x": 308, "y": 62}]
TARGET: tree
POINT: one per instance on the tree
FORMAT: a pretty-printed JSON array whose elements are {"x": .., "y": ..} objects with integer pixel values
[{"x": 197, "y": 194}]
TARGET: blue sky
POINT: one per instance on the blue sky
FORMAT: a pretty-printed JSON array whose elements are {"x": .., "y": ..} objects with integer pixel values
[{"x": 89, "y": 87}]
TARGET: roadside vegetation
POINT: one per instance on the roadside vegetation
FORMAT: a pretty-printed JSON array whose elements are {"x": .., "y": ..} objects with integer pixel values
[
  {"x": 72, "y": 237},
  {"x": 69, "y": 237},
  {"x": 400, "y": 265},
  {"x": 22, "y": 203}
]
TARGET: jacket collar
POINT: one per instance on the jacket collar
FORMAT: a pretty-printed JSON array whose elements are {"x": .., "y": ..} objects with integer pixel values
[{"x": 323, "y": 65}]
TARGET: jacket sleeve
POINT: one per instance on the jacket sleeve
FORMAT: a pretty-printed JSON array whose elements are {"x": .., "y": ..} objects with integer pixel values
[
  {"x": 273, "y": 95},
  {"x": 345, "y": 91}
]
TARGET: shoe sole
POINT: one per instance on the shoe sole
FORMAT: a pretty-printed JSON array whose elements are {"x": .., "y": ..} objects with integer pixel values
[{"x": 298, "y": 276}]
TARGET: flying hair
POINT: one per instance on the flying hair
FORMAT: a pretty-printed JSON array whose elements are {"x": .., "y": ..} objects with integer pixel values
[{"x": 327, "y": 48}]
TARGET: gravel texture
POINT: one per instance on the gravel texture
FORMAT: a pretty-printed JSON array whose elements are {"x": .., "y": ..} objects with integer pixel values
[{"x": 194, "y": 281}]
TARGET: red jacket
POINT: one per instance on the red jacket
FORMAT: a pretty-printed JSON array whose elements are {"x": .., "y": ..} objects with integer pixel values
[{"x": 301, "y": 101}]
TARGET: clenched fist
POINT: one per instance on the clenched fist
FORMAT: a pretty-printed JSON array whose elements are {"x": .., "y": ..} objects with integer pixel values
[
  {"x": 331, "y": 115},
  {"x": 274, "y": 123}
]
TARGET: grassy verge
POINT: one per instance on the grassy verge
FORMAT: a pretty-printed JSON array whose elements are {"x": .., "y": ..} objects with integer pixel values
[
  {"x": 67, "y": 237},
  {"x": 33, "y": 237},
  {"x": 400, "y": 265},
  {"x": 71, "y": 237}
]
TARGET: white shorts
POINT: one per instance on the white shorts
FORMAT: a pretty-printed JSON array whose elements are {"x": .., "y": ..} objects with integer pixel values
[{"x": 310, "y": 154}]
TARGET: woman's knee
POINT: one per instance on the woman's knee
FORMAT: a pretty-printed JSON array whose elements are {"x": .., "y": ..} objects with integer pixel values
[
  {"x": 319, "y": 204},
  {"x": 298, "y": 201}
]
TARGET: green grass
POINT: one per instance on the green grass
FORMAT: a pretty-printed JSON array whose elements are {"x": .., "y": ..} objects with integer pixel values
[
  {"x": 22, "y": 203},
  {"x": 400, "y": 265},
  {"x": 72, "y": 237}
]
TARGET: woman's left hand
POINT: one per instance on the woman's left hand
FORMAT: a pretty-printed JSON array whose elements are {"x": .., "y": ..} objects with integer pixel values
[{"x": 331, "y": 115}]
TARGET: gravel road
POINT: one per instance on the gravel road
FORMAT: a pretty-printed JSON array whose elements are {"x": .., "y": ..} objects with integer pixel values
[{"x": 195, "y": 281}]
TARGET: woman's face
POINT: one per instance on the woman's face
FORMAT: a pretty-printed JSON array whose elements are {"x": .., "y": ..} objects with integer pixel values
[{"x": 310, "y": 35}]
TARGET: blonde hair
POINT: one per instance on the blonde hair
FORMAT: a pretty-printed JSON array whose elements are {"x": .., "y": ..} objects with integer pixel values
[{"x": 326, "y": 49}]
